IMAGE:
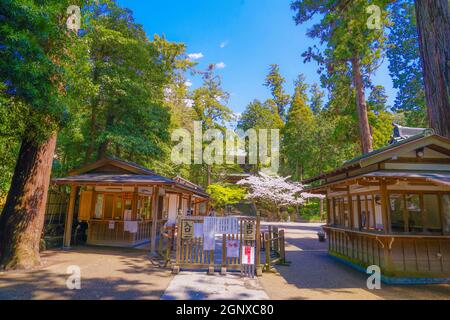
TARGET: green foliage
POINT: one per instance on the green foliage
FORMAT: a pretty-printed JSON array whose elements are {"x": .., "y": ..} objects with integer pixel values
[
  {"x": 274, "y": 81},
  {"x": 33, "y": 38},
  {"x": 225, "y": 194},
  {"x": 209, "y": 102},
  {"x": 299, "y": 132},
  {"x": 258, "y": 115},
  {"x": 404, "y": 64},
  {"x": 41, "y": 75},
  {"x": 317, "y": 96},
  {"x": 124, "y": 114}
]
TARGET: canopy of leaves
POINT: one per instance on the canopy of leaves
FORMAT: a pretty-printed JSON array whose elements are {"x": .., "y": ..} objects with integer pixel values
[
  {"x": 404, "y": 63},
  {"x": 225, "y": 194}
]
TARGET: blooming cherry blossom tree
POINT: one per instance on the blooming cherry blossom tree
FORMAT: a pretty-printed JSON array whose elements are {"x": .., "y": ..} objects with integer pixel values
[{"x": 276, "y": 191}]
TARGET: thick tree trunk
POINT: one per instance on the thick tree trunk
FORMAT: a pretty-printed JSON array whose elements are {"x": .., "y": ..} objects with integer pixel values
[
  {"x": 102, "y": 151},
  {"x": 364, "y": 129},
  {"x": 208, "y": 175},
  {"x": 22, "y": 218},
  {"x": 433, "y": 24}
]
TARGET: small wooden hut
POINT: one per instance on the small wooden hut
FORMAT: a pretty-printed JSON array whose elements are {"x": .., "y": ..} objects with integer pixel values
[
  {"x": 125, "y": 204},
  {"x": 391, "y": 208}
]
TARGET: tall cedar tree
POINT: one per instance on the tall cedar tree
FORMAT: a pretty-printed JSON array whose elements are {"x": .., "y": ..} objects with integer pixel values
[
  {"x": 344, "y": 29},
  {"x": 405, "y": 67},
  {"x": 210, "y": 106},
  {"x": 126, "y": 118},
  {"x": 299, "y": 131},
  {"x": 34, "y": 46},
  {"x": 275, "y": 82},
  {"x": 433, "y": 24}
]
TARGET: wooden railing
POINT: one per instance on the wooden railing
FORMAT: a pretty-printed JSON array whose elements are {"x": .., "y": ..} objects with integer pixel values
[
  {"x": 100, "y": 233},
  {"x": 166, "y": 243},
  {"x": 395, "y": 253},
  {"x": 273, "y": 244},
  {"x": 191, "y": 255}
]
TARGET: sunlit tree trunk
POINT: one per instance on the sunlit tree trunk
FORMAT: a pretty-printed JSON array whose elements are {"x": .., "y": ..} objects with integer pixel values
[
  {"x": 433, "y": 24},
  {"x": 22, "y": 218},
  {"x": 364, "y": 128}
]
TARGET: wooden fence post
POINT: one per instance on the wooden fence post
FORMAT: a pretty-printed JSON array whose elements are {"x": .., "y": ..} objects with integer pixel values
[
  {"x": 276, "y": 247},
  {"x": 176, "y": 267},
  {"x": 258, "y": 247},
  {"x": 223, "y": 269},
  {"x": 282, "y": 248},
  {"x": 270, "y": 237},
  {"x": 267, "y": 251},
  {"x": 161, "y": 240},
  {"x": 168, "y": 250}
]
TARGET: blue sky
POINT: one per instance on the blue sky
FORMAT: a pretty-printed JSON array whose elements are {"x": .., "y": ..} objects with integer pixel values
[{"x": 245, "y": 35}]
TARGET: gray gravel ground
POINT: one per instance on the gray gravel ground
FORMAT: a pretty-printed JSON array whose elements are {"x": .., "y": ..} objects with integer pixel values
[
  {"x": 106, "y": 273},
  {"x": 313, "y": 274}
]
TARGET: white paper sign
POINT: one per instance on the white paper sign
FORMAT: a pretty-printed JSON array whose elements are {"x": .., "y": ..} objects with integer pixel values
[
  {"x": 111, "y": 224},
  {"x": 209, "y": 242},
  {"x": 198, "y": 230},
  {"x": 232, "y": 248},
  {"x": 130, "y": 226},
  {"x": 248, "y": 255},
  {"x": 222, "y": 225},
  {"x": 127, "y": 214}
]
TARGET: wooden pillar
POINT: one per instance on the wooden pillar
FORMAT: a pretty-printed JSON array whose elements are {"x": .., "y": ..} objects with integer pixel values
[
  {"x": 384, "y": 207},
  {"x": 358, "y": 205},
  {"x": 69, "y": 217},
  {"x": 134, "y": 204},
  {"x": 258, "y": 246},
  {"x": 155, "y": 206},
  {"x": 350, "y": 208},
  {"x": 328, "y": 210},
  {"x": 321, "y": 209},
  {"x": 208, "y": 205},
  {"x": 180, "y": 204},
  {"x": 189, "y": 201}
]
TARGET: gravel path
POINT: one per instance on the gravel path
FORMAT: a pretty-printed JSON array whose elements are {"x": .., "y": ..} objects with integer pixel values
[
  {"x": 313, "y": 274},
  {"x": 106, "y": 273},
  {"x": 199, "y": 286}
]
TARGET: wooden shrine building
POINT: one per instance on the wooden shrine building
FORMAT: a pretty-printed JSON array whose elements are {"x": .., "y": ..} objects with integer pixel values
[
  {"x": 125, "y": 204},
  {"x": 391, "y": 208}
]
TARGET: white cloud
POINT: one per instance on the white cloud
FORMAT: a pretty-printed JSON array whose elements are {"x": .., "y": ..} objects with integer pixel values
[
  {"x": 188, "y": 83},
  {"x": 220, "y": 65},
  {"x": 195, "y": 56},
  {"x": 223, "y": 44}
]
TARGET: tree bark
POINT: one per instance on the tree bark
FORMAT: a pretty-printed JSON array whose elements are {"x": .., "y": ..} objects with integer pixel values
[
  {"x": 22, "y": 218},
  {"x": 364, "y": 128},
  {"x": 102, "y": 151},
  {"x": 433, "y": 25},
  {"x": 208, "y": 175}
]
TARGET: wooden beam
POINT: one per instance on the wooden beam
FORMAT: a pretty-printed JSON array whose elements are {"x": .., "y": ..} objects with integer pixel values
[
  {"x": 134, "y": 204},
  {"x": 69, "y": 217},
  {"x": 384, "y": 208},
  {"x": 350, "y": 207},
  {"x": 421, "y": 160},
  {"x": 439, "y": 149},
  {"x": 190, "y": 203},
  {"x": 180, "y": 204}
]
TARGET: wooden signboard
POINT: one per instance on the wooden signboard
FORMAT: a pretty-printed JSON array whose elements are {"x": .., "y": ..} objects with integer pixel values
[
  {"x": 249, "y": 230},
  {"x": 187, "y": 229}
]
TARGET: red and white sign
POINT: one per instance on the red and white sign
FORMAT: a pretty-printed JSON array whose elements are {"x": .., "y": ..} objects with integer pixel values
[{"x": 248, "y": 255}]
